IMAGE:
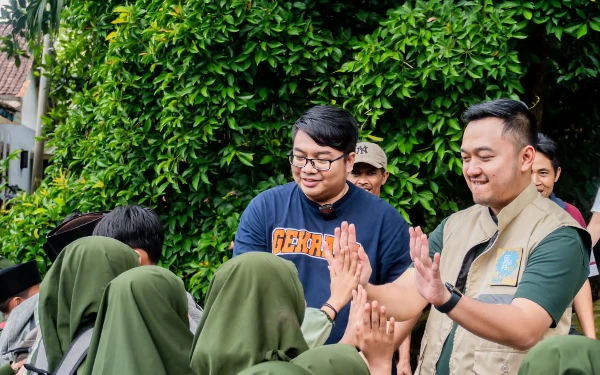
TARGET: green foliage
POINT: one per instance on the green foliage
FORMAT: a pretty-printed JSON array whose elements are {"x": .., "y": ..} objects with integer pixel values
[
  {"x": 187, "y": 106},
  {"x": 412, "y": 79}
]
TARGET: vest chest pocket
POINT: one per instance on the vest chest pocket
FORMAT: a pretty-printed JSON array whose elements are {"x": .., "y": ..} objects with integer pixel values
[{"x": 498, "y": 361}]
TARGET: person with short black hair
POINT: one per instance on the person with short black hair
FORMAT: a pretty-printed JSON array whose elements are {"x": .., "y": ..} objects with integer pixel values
[
  {"x": 136, "y": 226},
  {"x": 545, "y": 173},
  {"x": 295, "y": 221},
  {"x": 19, "y": 288},
  {"x": 139, "y": 227},
  {"x": 501, "y": 274}
]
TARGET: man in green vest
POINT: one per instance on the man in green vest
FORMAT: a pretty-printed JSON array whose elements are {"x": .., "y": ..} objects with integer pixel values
[{"x": 501, "y": 274}]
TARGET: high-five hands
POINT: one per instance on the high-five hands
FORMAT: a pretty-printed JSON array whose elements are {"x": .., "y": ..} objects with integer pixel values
[
  {"x": 427, "y": 272},
  {"x": 345, "y": 279},
  {"x": 345, "y": 237}
]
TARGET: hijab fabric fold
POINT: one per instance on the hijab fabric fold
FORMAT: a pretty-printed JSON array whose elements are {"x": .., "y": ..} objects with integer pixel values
[
  {"x": 70, "y": 293},
  {"x": 563, "y": 355},
  {"x": 253, "y": 312},
  {"x": 142, "y": 326},
  {"x": 336, "y": 359}
]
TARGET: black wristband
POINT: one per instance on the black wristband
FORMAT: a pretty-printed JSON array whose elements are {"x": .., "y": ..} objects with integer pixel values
[
  {"x": 454, "y": 298},
  {"x": 333, "y": 309}
]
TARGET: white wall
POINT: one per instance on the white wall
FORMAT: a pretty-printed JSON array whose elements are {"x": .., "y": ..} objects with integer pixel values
[
  {"x": 29, "y": 103},
  {"x": 20, "y": 138}
]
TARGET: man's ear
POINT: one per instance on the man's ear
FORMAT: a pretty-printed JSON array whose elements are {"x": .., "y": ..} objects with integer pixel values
[
  {"x": 528, "y": 155},
  {"x": 16, "y": 301},
  {"x": 139, "y": 256},
  {"x": 558, "y": 170},
  {"x": 386, "y": 175},
  {"x": 350, "y": 162}
]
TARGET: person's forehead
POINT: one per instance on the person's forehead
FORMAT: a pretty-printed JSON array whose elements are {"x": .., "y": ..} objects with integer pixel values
[
  {"x": 305, "y": 144},
  {"x": 484, "y": 134},
  {"x": 541, "y": 161}
]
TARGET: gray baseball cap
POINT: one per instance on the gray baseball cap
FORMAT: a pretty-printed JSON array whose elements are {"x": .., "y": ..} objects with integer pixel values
[{"x": 370, "y": 153}]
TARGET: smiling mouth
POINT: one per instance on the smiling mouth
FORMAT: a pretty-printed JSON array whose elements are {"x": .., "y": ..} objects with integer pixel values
[
  {"x": 310, "y": 182},
  {"x": 479, "y": 183}
]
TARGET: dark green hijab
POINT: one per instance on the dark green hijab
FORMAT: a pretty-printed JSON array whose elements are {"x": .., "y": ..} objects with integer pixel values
[
  {"x": 333, "y": 359},
  {"x": 253, "y": 312},
  {"x": 142, "y": 326},
  {"x": 330, "y": 359},
  {"x": 563, "y": 355},
  {"x": 70, "y": 293},
  {"x": 275, "y": 368}
]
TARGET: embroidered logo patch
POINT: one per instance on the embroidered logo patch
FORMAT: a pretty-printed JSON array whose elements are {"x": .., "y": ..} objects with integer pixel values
[{"x": 507, "y": 266}]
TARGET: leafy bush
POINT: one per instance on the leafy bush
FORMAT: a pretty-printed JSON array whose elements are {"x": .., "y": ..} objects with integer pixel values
[{"x": 187, "y": 106}]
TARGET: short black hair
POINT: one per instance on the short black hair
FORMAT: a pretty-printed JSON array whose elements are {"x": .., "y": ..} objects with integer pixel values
[
  {"x": 135, "y": 226},
  {"x": 329, "y": 126},
  {"x": 519, "y": 122},
  {"x": 548, "y": 147},
  {"x": 4, "y": 304}
]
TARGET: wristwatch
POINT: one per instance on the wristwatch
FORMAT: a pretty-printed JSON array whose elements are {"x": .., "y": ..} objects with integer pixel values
[{"x": 455, "y": 295}]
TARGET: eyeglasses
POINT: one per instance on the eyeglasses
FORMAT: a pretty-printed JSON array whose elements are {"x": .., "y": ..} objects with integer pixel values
[{"x": 318, "y": 164}]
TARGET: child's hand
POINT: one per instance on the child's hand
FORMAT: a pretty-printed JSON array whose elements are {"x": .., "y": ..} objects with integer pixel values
[
  {"x": 376, "y": 338},
  {"x": 344, "y": 279},
  {"x": 359, "y": 299},
  {"x": 345, "y": 236}
]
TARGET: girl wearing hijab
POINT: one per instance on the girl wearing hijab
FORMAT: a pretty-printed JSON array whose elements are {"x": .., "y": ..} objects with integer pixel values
[
  {"x": 563, "y": 355},
  {"x": 71, "y": 292},
  {"x": 142, "y": 326},
  {"x": 253, "y": 312},
  {"x": 375, "y": 337},
  {"x": 339, "y": 359}
]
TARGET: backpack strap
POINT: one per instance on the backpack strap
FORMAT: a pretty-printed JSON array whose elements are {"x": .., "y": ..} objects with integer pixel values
[
  {"x": 76, "y": 353},
  {"x": 40, "y": 362}
]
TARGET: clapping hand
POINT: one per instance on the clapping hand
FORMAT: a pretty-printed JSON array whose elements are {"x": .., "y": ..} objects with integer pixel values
[
  {"x": 345, "y": 279},
  {"x": 427, "y": 276}
]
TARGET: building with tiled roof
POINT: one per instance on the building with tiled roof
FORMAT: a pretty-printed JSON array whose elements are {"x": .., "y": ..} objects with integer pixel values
[
  {"x": 18, "y": 94},
  {"x": 18, "y": 114}
]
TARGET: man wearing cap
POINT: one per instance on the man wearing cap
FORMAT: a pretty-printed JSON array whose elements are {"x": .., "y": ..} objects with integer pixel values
[
  {"x": 19, "y": 287},
  {"x": 369, "y": 173}
]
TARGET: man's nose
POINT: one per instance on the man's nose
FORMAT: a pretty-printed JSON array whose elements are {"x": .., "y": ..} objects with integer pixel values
[{"x": 310, "y": 167}]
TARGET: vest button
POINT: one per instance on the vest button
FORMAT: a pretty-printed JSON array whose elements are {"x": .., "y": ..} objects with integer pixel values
[{"x": 505, "y": 368}]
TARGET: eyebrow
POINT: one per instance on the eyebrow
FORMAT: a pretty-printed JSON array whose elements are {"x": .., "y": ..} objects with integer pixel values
[
  {"x": 478, "y": 149},
  {"x": 316, "y": 153}
]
